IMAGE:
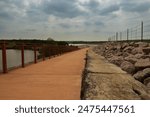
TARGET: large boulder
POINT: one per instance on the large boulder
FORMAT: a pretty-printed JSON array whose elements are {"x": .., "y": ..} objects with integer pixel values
[
  {"x": 145, "y": 56},
  {"x": 128, "y": 49},
  {"x": 141, "y": 44},
  {"x": 128, "y": 67},
  {"x": 137, "y": 51},
  {"x": 131, "y": 58},
  {"x": 124, "y": 45},
  {"x": 138, "y": 56},
  {"x": 131, "y": 43},
  {"x": 146, "y": 72},
  {"x": 146, "y": 50},
  {"x": 147, "y": 81},
  {"x": 116, "y": 60},
  {"x": 142, "y": 75},
  {"x": 139, "y": 76},
  {"x": 142, "y": 63},
  {"x": 125, "y": 54}
]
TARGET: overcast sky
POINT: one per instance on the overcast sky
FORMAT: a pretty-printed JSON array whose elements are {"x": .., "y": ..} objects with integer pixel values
[{"x": 69, "y": 19}]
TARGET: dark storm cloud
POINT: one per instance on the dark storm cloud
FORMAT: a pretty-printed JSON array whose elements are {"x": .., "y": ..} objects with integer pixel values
[
  {"x": 61, "y": 8},
  {"x": 134, "y": 6}
]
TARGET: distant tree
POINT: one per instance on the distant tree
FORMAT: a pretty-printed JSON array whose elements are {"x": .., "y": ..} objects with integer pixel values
[{"x": 50, "y": 39}]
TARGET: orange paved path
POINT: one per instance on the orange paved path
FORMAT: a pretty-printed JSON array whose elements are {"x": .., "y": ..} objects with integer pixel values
[{"x": 56, "y": 78}]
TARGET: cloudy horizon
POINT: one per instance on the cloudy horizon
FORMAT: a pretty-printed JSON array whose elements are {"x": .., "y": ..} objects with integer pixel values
[{"x": 69, "y": 19}]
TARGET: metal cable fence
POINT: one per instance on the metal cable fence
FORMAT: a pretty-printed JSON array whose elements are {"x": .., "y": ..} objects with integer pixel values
[{"x": 139, "y": 32}]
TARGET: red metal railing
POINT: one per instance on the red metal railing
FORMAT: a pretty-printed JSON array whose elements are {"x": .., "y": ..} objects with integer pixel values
[{"x": 46, "y": 50}]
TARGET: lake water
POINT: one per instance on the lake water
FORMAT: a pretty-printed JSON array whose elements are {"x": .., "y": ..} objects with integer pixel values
[{"x": 14, "y": 58}]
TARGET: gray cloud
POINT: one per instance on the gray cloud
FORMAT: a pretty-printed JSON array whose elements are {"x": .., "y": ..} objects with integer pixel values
[
  {"x": 110, "y": 9},
  {"x": 92, "y": 5},
  {"x": 61, "y": 8},
  {"x": 93, "y": 23},
  {"x": 11, "y": 9},
  {"x": 134, "y": 6},
  {"x": 67, "y": 16},
  {"x": 35, "y": 15},
  {"x": 5, "y": 15},
  {"x": 63, "y": 25},
  {"x": 31, "y": 30},
  {"x": 99, "y": 23}
]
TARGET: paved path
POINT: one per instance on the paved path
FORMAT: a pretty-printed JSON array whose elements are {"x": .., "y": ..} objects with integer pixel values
[{"x": 57, "y": 78}]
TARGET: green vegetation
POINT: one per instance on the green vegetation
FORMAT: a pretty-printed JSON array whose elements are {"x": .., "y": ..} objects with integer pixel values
[{"x": 11, "y": 44}]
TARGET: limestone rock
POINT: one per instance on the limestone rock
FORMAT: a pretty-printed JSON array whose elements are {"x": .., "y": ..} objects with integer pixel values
[
  {"x": 141, "y": 44},
  {"x": 124, "y": 45},
  {"x": 138, "y": 56},
  {"x": 139, "y": 76},
  {"x": 147, "y": 81},
  {"x": 146, "y": 72},
  {"x": 125, "y": 54},
  {"x": 142, "y": 63},
  {"x": 145, "y": 56},
  {"x": 146, "y": 50},
  {"x": 128, "y": 67},
  {"x": 131, "y": 59},
  {"x": 142, "y": 75},
  {"x": 116, "y": 60},
  {"x": 137, "y": 51},
  {"x": 128, "y": 49}
]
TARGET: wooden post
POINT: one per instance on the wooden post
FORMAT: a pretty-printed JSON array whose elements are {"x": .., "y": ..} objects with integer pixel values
[{"x": 4, "y": 59}]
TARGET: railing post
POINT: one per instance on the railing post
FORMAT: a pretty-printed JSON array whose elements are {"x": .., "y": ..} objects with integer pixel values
[
  {"x": 4, "y": 59},
  {"x": 22, "y": 54},
  {"x": 35, "y": 59},
  {"x": 43, "y": 52},
  {"x": 49, "y": 49}
]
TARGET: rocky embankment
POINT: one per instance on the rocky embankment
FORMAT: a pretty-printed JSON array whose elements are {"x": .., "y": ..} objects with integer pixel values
[
  {"x": 130, "y": 79},
  {"x": 134, "y": 58}
]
